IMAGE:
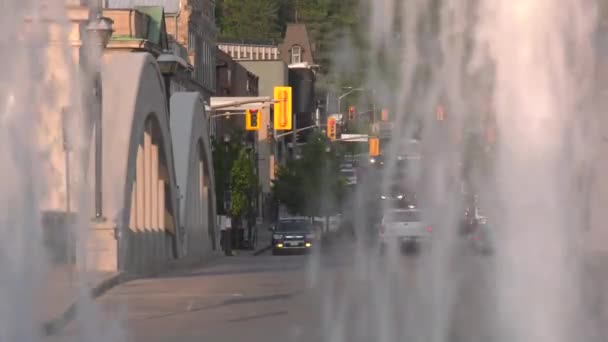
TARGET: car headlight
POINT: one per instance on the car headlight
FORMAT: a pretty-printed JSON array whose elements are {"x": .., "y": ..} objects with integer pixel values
[
  {"x": 310, "y": 236},
  {"x": 400, "y": 197},
  {"x": 277, "y": 236},
  {"x": 383, "y": 197}
]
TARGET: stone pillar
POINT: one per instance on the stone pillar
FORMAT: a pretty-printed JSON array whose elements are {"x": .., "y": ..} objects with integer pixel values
[{"x": 101, "y": 248}]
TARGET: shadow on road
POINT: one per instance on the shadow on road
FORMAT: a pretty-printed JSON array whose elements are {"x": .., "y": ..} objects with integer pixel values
[
  {"x": 227, "y": 302},
  {"x": 240, "y": 271},
  {"x": 254, "y": 317}
]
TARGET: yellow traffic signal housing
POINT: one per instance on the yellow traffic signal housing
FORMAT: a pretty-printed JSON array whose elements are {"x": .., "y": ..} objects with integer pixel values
[
  {"x": 253, "y": 120},
  {"x": 374, "y": 147},
  {"x": 384, "y": 115},
  {"x": 331, "y": 128},
  {"x": 440, "y": 113},
  {"x": 283, "y": 109}
]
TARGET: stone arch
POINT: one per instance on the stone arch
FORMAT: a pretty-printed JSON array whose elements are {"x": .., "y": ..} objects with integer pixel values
[
  {"x": 136, "y": 132},
  {"x": 194, "y": 170}
]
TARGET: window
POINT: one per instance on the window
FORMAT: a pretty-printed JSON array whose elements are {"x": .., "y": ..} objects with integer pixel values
[
  {"x": 294, "y": 226},
  {"x": 296, "y": 54}
]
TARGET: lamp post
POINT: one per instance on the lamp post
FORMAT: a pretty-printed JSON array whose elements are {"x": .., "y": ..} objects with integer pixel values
[
  {"x": 99, "y": 31},
  {"x": 354, "y": 91},
  {"x": 351, "y": 90}
]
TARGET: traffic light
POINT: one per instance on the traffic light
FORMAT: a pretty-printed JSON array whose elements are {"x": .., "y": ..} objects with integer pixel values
[
  {"x": 331, "y": 128},
  {"x": 374, "y": 147},
  {"x": 440, "y": 113},
  {"x": 384, "y": 115},
  {"x": 282, "y": 109},
  {"x": 253, "y": 120},
  {"x": 352, "y": 112}
]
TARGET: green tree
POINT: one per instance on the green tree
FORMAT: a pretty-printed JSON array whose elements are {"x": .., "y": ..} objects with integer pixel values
[
  {"x": 242, "y": 185},
  {"x": 312, "y": 185},
  {"x": 224, "y": 155},
  {"x": 249, "y": 19}
]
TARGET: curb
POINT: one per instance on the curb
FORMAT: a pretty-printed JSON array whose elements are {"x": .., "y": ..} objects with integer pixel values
[
  {"x": 262, "y": 250},
  {"x": 53, "y": 326}
]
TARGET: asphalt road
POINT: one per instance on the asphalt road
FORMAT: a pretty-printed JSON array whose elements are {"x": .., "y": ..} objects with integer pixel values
[{"x": 350, "y": 293}]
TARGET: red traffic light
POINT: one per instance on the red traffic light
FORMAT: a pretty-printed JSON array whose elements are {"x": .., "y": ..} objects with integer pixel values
[{"x": 351, "y": 112}]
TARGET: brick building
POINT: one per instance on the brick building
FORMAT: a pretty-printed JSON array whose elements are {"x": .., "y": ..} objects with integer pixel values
[{"x": 190, "y": 23}]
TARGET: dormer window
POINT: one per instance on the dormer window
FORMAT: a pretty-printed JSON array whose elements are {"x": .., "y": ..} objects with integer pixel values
[{"x": 296, "y": 54}]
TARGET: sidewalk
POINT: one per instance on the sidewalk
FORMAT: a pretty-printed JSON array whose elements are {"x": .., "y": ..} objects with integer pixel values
[{"x": 59, "y": 293}]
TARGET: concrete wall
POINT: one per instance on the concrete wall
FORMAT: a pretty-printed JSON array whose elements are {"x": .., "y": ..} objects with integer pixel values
[{"x": 270, "y": 73}]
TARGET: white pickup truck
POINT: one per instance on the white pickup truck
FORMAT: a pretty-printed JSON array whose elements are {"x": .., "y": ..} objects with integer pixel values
[{"x": 405, "y": 227}]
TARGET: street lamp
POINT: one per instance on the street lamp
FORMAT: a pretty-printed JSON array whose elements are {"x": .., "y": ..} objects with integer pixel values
[
  {"x": 99, "y": 32},
  {"x": 169, "y": 64},
  {"x": 346, "y": 94}
]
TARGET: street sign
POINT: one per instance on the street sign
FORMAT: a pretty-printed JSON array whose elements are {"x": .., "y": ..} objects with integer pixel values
[
  {"x": 331, "y": 128},
  {"x": 283, "y": 109},
  {"x": 374, "y": 147},
  {"x": 253, "y": 120}
]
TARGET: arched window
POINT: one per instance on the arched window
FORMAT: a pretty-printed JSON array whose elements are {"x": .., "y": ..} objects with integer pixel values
[{"x": 296, "y": 54}]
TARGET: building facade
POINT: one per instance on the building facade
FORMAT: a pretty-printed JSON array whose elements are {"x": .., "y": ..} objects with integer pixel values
[
  {"x": 232, "y": 78},
  {"x": 297, "y": 48},
  {"x": 190, "y": 23},
  {"x": 250, "y": 52}
]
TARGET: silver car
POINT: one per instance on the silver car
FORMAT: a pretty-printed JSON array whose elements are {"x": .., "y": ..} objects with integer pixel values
[{"x": 404, "y": 227}]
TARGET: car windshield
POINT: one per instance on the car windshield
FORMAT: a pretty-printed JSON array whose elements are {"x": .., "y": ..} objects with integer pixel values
[
  {"x": 294, "y": 226},
  {"x": 404, "y": 216}
]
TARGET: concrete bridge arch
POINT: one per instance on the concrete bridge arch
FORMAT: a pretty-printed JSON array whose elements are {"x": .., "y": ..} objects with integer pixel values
[
  {"x": 195, "y": 175},
  {"x": 139, "y": 183}
]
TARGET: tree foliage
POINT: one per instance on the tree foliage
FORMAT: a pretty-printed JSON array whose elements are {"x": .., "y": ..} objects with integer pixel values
[
  {"x": 249, "y": 19},
  {"x": 223, "y": 158},
  {"x": 225, "y": 153},
  {"x": 311, "y": 185},
  {"x": 326, "y": 20},
  {"x": 243, "y": 184}
]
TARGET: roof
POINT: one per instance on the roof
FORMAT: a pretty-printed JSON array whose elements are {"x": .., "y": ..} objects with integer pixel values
[
  {"x": 297, "y": 34},
  {"x": 170, "y": 6},
  {"x": 254, "y": 42}
]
